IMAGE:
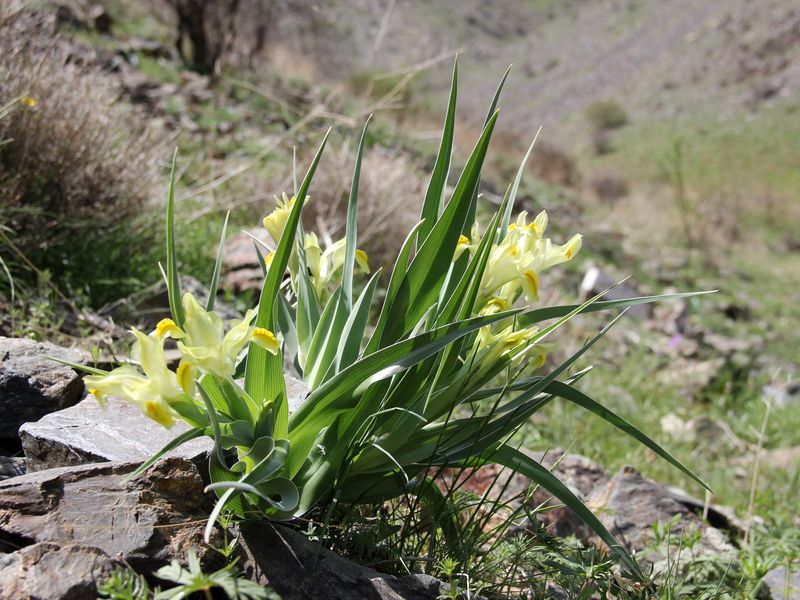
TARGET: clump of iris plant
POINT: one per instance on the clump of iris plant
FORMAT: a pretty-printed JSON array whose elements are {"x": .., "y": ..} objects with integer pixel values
[{"x": 442, "y": 378}]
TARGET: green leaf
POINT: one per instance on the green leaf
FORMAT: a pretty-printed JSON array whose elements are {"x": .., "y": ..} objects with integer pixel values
[
  {"x": 553, "y": 312},
  {"x": 264, "y": 380},
  {"x": 398, "y": 273},
  {"x": 473, "y": 205},
  {"x": 434, "y": 195},
  {"x": 173, "y": 281},
  {"x": 322, "y": 406},
  {"x": 212, "y": 289},
  {"x": 322, "y": 351},
  {"x": 169, "y": 447},
  {"x": 563, "y": 390},
  {"x": 522, "y": 463},
  {"x": 428, "y": 270},
  {"x": 353, "y": 332},
  {"x": 351, "y": 232}
]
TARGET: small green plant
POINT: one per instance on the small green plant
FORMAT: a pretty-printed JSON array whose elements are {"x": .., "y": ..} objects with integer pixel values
[
  {"x": 192, "y": 580},
  {"x": 124, "y": 584},
  {"x": 441, "y": 379},
  {"x": 606, "y": 114}
]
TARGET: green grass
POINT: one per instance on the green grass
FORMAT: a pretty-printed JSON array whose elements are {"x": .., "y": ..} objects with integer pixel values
[{"x": 748, "y": 155}]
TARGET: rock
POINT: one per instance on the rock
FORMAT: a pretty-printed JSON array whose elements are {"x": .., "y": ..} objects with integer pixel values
[
  {"x": 782, "y": 394},
  {"x": 780, "y": 587},
  {"x": 145, "y": 521},
  {"x": 630, "y": 504},
  {"x": 88, "y": 433},
  {"x": 581, "y": 475},
  {"x": 240, "y": 267},
  {"x": 148, "y": 306},
  {"x": 692, "y": 376},
  {"x": 11, "y": 466},
  {"x": 596, "y": 281},
  {"x": 47, "y": 571},
  {"x": 299, "y": 569},
  {"x": 702, "y": 431},
  {"x": 32, "y": 385}
]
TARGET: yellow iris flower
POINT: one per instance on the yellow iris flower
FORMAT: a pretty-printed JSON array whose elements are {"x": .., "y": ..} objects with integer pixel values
[
  {"x": 152, "y": 391},
  {"x": 204, "y": 343},
  {"x": 323, "y": 265},
  {"x": 515, "y": 263},
  {"x": 275, "y": 222}
]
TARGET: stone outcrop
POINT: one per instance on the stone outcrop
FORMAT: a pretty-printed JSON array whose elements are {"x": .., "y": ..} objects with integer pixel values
[
  {"x": 146, "y": 521},
  {"x": 47, "y": 571},
  {"x": 299, "y": 569},
  {"x": 33, "y": 385},
  {"x": 89, "y": 433}
]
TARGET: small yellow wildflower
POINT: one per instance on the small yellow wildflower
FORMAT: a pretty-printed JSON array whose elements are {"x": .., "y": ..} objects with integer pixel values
[{"x": 29, "y": 101}]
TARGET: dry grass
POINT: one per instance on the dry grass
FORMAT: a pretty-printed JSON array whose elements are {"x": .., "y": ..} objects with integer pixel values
[
  {"x": 72, "y": 167},
  {"x": 389, "y": 200}
]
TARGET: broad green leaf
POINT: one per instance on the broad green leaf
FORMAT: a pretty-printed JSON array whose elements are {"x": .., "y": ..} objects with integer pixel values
[
  {"x": 427, "y": 271},
  {"x": 553, "y": 312},
  {"x": 353, "y": 331},
  {"x": 398, "y": 273},
  {"x": 508, "y": 207},
  {"x": 321, "y": 406},
  {"x": 264, "y": 380},
  {"x": 322, "y": 351},
  {"x": 473, "y": 205}
]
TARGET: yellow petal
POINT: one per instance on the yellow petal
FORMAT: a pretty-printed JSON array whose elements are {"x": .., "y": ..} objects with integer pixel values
[
  {"x": 186, "y": 373},
  {"x": 361, "y": 260},
  {"x": 168, "y": 328},
  {"x": 160, "y": 412},
  {"x": 266, "y": 339},
  {"x": 530, "y": 285}
]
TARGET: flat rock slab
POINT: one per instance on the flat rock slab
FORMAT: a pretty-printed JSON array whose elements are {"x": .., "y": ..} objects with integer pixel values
[
  {"x": 145, "y": 521},
  {"x": 47, "y": 571},
  {"x": 299, "y": 569},
  {"x": 32, "y": 385},
  {"x": 89, "y": 433}
]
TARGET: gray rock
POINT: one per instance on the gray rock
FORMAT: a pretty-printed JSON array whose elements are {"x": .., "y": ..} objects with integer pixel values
[
  {"x": 32, "y": 385},
  {"x": 47, "y": 571},
  {"x": 782, "y": 587},
  {"x": 240, "y": 267},
  {"x": 630, "y": 504},
  {"x": 88, "y": 433},
  {"x": 148, "y": 306},
  {"x": 11, "y": 466},
  {"x": 145, "y": 521},
  {"x": 299, "y": 569},
  {"x": 596, "y": 281}
]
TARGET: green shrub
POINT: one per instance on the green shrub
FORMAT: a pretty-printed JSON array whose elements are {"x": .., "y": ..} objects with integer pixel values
[{"x": 606, "y": 114}]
